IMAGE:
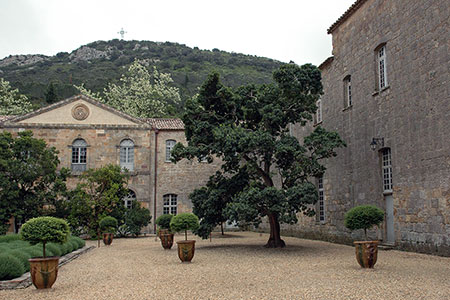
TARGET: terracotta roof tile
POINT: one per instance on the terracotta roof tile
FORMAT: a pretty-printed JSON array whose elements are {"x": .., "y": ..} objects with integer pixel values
[
  {"x": 346, "y": 15},
  {"x": 165, "y": 124}
]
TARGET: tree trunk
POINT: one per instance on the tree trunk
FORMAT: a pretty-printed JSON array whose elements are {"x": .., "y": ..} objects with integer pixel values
[
  {"x": 275, "y": 240},
  {"x": 221, "y": 227}
]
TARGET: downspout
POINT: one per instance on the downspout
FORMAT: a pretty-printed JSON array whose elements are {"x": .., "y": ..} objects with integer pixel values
[{"x": 155, "y": 179}]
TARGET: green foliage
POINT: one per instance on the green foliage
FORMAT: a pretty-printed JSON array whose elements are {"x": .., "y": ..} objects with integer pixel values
[
  {"x": 45, "y": 230},
  {"x": 108, "y": 224},
  {"x": 163, "y": 221},
  {"x": 248, "y": 129},
  {"x": 10, "y": 267},
  {"x": 80, "y": 242},
  {"x": 18, "y": 244},
  {"x": 363, "y": 217},
  {"x": 28, "y": 177},
  {"x": 32, "y": 251},
  {"x": 23, "y": 256},
  {"x": 184, "y": 222},
  {"x": 136, "y": 218},
  {"x": 9, "y": 238},
  {"x": 51, "y": 95},
  {"x": 11, "y": 102},
  {"x": 74, "y": 244},
  {"x": 56, "y": 249},
  {"x": 67, "y": 247}
]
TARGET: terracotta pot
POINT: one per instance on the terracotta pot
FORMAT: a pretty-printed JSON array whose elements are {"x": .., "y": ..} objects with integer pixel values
[
  {"x": 108, "y": 238},
  {"x": 44, "y": 271},
  {"x": 366, "y": 253},
  {"x": 162, "y": 231},
  {"x": 166, "y": 240},
  {"x": 186, "y": 250}
]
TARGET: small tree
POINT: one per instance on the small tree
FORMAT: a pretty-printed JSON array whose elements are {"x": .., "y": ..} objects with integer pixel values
[
  {"x": 136, "y": 218},
  {"x": 108, "y": 224},
  {"x": 11, "y": 102},
  {"x": 184, "y": 222},
  {"x": 50, "y": 95},
  {"x": 163, "y": 221},
  {"x": 45, "y": 230},
  {"x": 363, "y": 217}
]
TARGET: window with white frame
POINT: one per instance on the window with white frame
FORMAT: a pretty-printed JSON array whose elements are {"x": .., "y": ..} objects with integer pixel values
[
  {"x": 348, "y": 91},
  {"x": 386, "y": 164},
  {"x": 169, "y": 147},
  {"x": 321, "y": 202},
  {"x": 128, "y": 200},
  {"x": 170, "y": 204},
  {"x": 79, "y": 155},
  {"x": 382, "y": 67},
  {"x": 127, "y": 154},
  {"x": 319, "y": 111}
]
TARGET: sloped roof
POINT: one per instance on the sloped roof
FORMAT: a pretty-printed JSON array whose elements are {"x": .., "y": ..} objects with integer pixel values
[
  {"x": 346, "y": 15},
  {"x": 165, "y": 123}
]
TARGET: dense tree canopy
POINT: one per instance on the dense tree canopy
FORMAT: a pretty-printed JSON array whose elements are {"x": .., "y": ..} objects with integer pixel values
[
  {"x": 247, "y": 128},
  {"x": 11, "y": 101}
]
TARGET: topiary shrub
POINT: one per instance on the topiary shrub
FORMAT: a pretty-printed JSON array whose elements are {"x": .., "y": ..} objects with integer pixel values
[
  {"x": 80, "y": 242},
  {"x": 67, "y": 247},
  {"x": 74, "y": 244},
  {"x": 363, "y": 217},
  {"x": 163, "y": 221},
  {"x": 10, "y": 267},
  {"x": 45, "y": 230},
  {"x": 108, "y": 224},
  {"x": 23, "y": 256},
  {"x": 184, "y": 222}
]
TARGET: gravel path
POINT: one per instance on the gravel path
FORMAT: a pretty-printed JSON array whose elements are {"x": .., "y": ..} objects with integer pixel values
[{"x": 238, "y": 267}]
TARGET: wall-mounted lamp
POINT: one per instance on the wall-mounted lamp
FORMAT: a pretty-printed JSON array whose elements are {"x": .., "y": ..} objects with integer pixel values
[{"x": 375, "y": 142}]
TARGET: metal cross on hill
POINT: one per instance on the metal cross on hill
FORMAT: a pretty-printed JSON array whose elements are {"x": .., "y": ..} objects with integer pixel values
[{"x": 122, "y": 33}]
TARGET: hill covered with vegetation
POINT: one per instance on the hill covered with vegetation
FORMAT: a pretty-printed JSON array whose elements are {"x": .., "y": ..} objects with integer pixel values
[{"x": 101, "y": 62}]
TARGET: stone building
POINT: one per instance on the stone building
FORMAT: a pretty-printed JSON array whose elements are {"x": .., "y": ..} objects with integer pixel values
[
  {"x": 89, "y": 134},
  {"x": 387, "y": 93}
]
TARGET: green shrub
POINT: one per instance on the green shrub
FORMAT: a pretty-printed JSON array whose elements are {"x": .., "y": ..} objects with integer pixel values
[
  {"x": 18, "y": 244},
  {"x": 136, "y": 217},
  {"x": 363, "y": 217},
  {"x": 108, "y": 224},
  {"x": 40, "y": 248},
  {"x": 9, "y": 238},
  {"x": 81, "y": 243},
  {"x": 45, "y": 230},
  {"x": 32, "y": 251},
  {"x": 55, "y": 248},
  {"x": 163, "y": 221},
  {"x": 23, "y": 256},
  {"x": 184, "y": 222},
  {"x": 10, "y": 267},
  {"x": 74, "y": 244},
  {"x": 67, "y": 247}
]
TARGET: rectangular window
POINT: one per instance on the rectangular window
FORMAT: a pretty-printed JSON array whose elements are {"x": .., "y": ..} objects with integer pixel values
[
  {"x": 348, "y": 91},
  {"x": 382, "y": 74},
  {"x": 169, "y": 146},
  {"x": 319, "y": 111},
  {"x": 321, "y": 202},
  {"x": 387, "y": 170},
  {"x": 170, "y": 204}
]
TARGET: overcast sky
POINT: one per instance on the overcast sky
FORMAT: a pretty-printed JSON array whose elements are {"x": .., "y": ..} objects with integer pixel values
[{"x": 280, "y": 29}]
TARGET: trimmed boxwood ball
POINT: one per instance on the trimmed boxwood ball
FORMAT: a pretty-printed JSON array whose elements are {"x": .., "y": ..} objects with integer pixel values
[
  {"x": 23, "y": 256},
  {"x": 108, "y": 224},
  {"x": 67, "y": 247},
  {"x": 163, "y": 221},
  {"x": 10, "y": 267},
  {"x": 81, "y": 243},
  {"x": 363, "y": 217},
  {"x": 74, "y": 245},
  {"x": 184, "y": 222}
]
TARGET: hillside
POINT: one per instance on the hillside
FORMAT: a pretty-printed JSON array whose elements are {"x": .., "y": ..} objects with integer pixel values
[{"x": 101, "y": 62}]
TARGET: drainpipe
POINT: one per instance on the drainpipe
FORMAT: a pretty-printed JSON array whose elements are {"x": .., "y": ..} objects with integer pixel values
[{"x": 155, "y": 179}]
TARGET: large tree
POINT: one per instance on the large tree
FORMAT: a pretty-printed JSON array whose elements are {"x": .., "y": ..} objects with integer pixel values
[
  {"x": 11, "y": 101},
  {"x": 28, "y": 177},
  {"x": 140, "y": 93},
  {"x": 247, "y": 128}
]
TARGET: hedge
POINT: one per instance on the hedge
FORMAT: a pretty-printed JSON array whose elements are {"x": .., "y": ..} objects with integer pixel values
[{"x": 10, "y": 267}]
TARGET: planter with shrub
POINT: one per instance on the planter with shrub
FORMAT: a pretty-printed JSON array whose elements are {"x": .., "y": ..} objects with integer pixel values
[
  {"x": 365, "y": 217},
  {"x": 185, "y": 222},
  {"x": 164, "y": 233},
  {"x": 44, "y": 230},
  {"x": 108, "y": 226}
]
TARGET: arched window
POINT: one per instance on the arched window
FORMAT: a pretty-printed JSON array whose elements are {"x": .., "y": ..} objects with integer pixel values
[
  {"x": 169, "y": 146},
  {"x": 127, "y": 155},
  {"x": 128, "y": 200},
  {"x": 170, "y": 204},
  {"x": 79, "y": 155}
]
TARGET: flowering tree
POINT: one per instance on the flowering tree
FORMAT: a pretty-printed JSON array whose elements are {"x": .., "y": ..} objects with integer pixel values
[
  {"x": 11, "y": 102},
  {"x": 140, "y": 93}
]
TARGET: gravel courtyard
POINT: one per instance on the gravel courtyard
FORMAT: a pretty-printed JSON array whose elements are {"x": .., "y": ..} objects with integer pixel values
[{"x": 239, "y": 267}]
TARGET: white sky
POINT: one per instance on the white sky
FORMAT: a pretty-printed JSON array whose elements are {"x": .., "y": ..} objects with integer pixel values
[{"x": 280, "y": 29}]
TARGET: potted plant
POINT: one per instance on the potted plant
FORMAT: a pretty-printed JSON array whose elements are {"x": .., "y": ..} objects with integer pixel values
[
  {"x": 185, "y": 222},
  {"x": 108, "y": 226},
  {"x": 164, "y": 233},
  {"x": 44, "y": 270},
  {"x": 365, "y": 217}
]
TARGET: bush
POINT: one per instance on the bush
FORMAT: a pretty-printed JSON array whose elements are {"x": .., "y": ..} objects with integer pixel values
[
  {"x": 74, "y": 244},
  {"x": 363, "y": 217},
  {"x": 67, "y": 247},
  {"x": 32, "y": 251},
  {"x": 18, "y": 244},
  {"x": 23, "y": 256},
  {"x": 163, "y": 221},
  {"x": 55, "y": 248},
  {"x": 10, "y": 267},
  {"x": 80, "y": 242},
  {"x": 184, "y": 222},
  {"x": 9, "y": 238},
  {"x": 108, "y": 224},
  {"x": 136, "y": 218},
  {"x": 40, "y": 248}
]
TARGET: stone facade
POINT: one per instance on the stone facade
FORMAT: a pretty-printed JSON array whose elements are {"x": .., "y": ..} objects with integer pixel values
[
  {"x": 103, "y": 129},
  {"x": 411, "y": 113}
]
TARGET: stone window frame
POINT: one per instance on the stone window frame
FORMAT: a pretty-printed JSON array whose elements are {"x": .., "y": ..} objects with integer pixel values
[
  {"x": 129, "y": 198},
  {"x": 127, "y": 154},
  {"x": 169, "y": 147},
  {"x": 381, "y": 68},
  {"x": 321, "y": 215},
  {"x": 347, "y": 82},
  {"x": 386, "y": 170},
  {"x": 79, "y": 146},
  {"x": 319, "y": 112},
  {"x": 170, "y": 204}
]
